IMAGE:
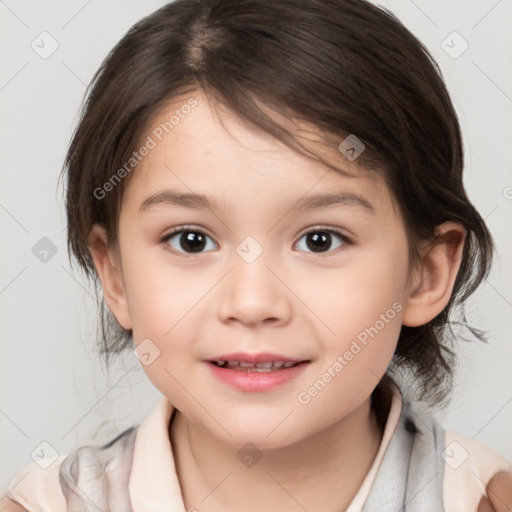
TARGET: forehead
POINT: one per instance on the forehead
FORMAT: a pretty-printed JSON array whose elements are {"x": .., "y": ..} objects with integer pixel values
[{"x": 211, "y": 151}]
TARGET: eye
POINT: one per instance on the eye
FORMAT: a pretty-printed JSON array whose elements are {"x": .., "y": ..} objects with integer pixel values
[
  {"x": 320, "y": 240},
  {"x": 189, "y": 241},
  {"x": 192, "y": 241}
]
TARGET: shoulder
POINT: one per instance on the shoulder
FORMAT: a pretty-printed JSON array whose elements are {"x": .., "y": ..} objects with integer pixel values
[
  {"x": 7, "y": 505},
  {"x": 469, "y": 465},
  {"x": 34, "y": 488},
  {"x": 99, "y": 473}
]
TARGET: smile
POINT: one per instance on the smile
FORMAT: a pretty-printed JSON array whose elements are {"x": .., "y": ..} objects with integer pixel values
[
  {"x": 269, "y": 366},
  {"x": 256, "y": 377}
]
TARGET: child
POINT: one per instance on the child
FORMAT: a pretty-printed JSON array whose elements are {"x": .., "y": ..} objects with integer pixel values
[{"x": 222, "y": 144}]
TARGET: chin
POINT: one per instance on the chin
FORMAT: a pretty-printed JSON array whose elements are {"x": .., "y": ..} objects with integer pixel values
[
  {"x": 267, "y": 433},
  {"x": 260, "y": 440}
]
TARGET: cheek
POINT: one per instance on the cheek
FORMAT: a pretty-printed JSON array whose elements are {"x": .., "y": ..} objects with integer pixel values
[
  {"x": 362, "y": 306},
  {"x": 165, "y": 302},
  {"x": 159, "y": 293},
  {"x": 352, "y": 298},
  {"x": 352, "y": 366}
]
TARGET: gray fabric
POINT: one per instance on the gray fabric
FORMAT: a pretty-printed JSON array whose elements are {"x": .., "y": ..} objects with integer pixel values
[
  {"x": 410, "y": 478},
  {"x": 95, "y": 479}
]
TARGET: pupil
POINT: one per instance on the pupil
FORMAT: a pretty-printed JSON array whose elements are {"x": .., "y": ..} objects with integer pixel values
[
  {"x": 192, "y": 242},
  {"x": 319, "y": 241}
]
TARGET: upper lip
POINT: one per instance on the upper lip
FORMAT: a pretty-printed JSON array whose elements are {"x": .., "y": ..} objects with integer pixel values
[{"x": 263, "y": 357}]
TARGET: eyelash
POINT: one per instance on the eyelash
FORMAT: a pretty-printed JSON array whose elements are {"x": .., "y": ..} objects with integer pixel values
[{"x": 346, "y": 241}]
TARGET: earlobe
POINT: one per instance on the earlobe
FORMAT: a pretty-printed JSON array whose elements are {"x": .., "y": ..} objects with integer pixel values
[
  {"x": 431, "y": 285},
  {"x": 109, "y": 270}
]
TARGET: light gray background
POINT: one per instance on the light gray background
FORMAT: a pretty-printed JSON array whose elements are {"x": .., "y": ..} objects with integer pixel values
[{"x": 52, "y": 387}]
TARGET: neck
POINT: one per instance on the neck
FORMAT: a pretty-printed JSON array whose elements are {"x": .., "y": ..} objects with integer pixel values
[{"x": 306, "y": 474}]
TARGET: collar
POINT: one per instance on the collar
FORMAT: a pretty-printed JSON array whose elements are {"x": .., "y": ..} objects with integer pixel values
[{"x": 154, "y": 482}]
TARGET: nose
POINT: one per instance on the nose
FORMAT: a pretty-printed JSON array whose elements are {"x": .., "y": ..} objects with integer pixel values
[{"x": 254, "y": 293}]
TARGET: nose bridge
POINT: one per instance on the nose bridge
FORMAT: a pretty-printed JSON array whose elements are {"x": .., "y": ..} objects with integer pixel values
[{"x": 252, "y": 293}]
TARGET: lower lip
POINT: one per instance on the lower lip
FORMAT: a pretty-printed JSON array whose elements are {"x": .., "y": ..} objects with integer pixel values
[{"x": 256, "y": 381}]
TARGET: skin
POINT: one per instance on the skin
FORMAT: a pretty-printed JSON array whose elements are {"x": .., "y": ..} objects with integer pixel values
[
  {"x": 290, "y": 300},
  {"x": 499, "y": 494}
]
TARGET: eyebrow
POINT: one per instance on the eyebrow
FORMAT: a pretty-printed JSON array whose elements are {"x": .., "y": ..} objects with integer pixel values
[{"x": 304, "y": 204}]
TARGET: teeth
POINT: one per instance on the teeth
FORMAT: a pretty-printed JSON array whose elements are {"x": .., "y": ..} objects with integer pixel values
[{"x": 265, "y": 365}]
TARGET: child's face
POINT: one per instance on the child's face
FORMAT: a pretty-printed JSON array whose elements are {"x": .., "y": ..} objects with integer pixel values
[{"x": 288, "y": 300}]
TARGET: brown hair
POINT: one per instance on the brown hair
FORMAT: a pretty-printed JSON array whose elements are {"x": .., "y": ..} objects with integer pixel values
[{"x": 344, "y": 66}]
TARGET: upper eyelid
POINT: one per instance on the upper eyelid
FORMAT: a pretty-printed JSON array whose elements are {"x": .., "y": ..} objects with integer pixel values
[{"x": 180, "y": 229}]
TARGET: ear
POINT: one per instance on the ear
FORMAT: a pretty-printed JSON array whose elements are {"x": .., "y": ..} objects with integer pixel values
[
  {"x": 430, "y": 286},
  {"x": 108, "y": 266}
]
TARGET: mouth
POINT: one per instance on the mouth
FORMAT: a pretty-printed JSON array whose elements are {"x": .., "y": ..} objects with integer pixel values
[
  {"x": 261, "y": 374},
  {"x": 262, "y": 367}
]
